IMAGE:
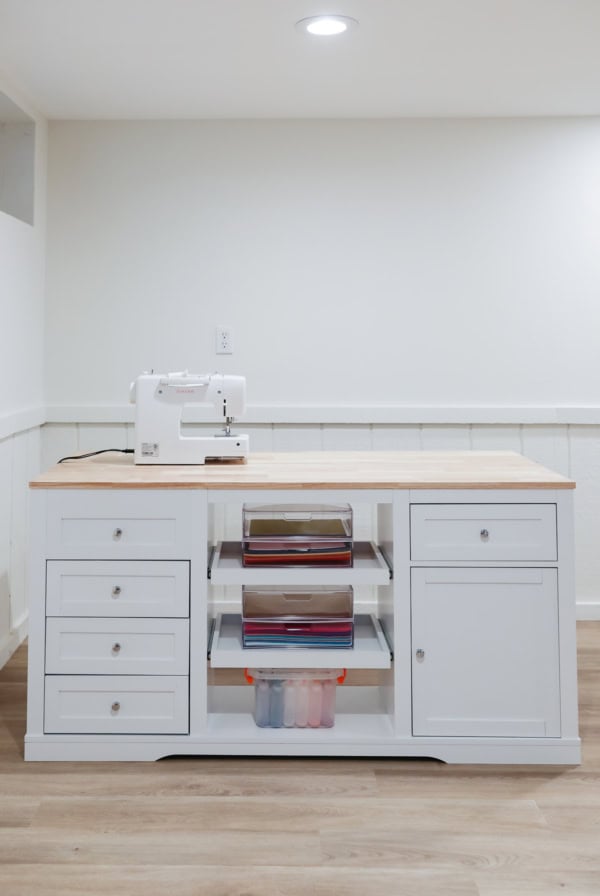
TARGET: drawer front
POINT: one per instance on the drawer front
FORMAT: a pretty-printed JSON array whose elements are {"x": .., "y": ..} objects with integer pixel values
[
  {"x": 117, "y": 646},
  {"x": 482, "y": 532},
  {"x": 125, "y": 524},
  {"x": 116, "y": 704},
  {"x": 117, "y": 588}
]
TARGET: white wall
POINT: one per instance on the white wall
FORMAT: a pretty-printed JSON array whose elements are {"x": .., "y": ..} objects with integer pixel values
[
  {"x": 408, "y": 262},
  {"x": 22, "y": 257}
]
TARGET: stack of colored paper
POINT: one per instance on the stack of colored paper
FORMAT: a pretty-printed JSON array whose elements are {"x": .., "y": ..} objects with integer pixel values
[{"x": 298, "y": 634}]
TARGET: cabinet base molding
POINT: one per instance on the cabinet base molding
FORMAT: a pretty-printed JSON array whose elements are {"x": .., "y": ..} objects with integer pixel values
[{"x": 565, "y": 751}]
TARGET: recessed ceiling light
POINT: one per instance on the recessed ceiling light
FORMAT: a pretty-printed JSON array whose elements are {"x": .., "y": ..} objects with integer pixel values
[{"x": 326, "y": 26}]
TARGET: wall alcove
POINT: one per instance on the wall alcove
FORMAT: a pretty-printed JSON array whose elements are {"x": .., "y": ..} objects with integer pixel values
[{"x": 17, "y": 157}]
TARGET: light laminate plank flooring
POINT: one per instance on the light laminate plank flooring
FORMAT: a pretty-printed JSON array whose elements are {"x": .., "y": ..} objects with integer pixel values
[{"x": 299, "y": 827}]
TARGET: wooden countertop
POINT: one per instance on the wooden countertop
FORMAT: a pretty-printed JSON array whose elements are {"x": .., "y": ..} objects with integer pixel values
[{"x": 315, "y": 469}]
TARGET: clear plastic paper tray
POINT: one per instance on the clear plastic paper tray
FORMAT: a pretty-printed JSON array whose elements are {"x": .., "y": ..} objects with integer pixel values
[
  {"x": 331, "y": 521},
  {"x": 295, "y": 603},
  {"x": 297, "y": 535}
]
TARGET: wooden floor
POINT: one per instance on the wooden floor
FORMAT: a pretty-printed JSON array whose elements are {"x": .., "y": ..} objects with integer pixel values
[{"x": 316, "y": 827}]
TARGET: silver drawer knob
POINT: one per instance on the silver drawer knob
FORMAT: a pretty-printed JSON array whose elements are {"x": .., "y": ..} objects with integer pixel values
[
  {"x": 116, "y": 648},
  {"x": 116, "y": 706},
  {"x": 420, "y": 654},
  {"x": 484, "y": 533},
  {"x": 117, "y": 533},
  {"x": 116, "y": 591}
]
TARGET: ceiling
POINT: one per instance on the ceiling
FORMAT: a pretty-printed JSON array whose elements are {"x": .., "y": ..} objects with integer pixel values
[{"x": 95, "y": 59}]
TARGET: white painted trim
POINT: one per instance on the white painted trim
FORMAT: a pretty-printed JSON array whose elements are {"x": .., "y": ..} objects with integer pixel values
[
  {"x": 19, "y": 421},
  {"x": 588, "y": 610},
  {"x": 14, "y": 640},
  {"x": 390, "y": 414},
  {"x": 90, "y": 413}
]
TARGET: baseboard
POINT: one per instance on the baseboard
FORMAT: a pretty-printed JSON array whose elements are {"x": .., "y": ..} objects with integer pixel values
[{"x": 588, "y": 609}]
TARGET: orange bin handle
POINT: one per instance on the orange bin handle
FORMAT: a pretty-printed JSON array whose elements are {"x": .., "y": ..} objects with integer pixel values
[{"x": 340, "y": 678}]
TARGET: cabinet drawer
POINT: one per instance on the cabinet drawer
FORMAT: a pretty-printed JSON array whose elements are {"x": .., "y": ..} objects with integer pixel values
[
  {"x": 122, "y": 524},
  {"x": 481, "y": 532},
  {"x": 116, "y": 704},
  {"x": 117, "y": 646},
  {"x": 117, "y": 588}
]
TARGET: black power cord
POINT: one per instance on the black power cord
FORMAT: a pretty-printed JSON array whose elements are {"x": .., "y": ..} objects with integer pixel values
[{"x": 93, "y": 453}]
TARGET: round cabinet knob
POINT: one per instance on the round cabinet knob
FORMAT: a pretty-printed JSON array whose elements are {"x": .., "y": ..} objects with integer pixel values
[
  {"x": 117, "y": 533},
  {"x": 484, "y": 533},
  {"x": 116, "y": 591},
  {"x": 116, "y": 648},
  {"x": 420, "y": 654},
  {"x": 116, "y": 706}
]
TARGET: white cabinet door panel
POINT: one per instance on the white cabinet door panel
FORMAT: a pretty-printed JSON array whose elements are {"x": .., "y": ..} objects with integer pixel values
[{"x": 485, "y": 652}]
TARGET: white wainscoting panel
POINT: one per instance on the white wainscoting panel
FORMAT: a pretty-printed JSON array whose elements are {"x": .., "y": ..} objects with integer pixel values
[
  {"x": 446, "y": 438},
  {"x": 503, "y": 437},
  {"x": 59, "y": 440},
  {"x": 396, "y": 438},
  {"x": 297, "y": 438},
  {"x": 6, "y": 460},
  {"x": 584, "y": 467},
  {"x": 19, "y": 462}
]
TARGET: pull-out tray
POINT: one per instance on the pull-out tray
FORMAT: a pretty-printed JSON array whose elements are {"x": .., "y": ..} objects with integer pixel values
[
  {"x": 370, "y": 651},
  {"x": 369, "y": 568}
]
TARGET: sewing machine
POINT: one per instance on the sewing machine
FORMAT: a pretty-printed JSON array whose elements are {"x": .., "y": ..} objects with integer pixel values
[{"x": 159, "y": 400}]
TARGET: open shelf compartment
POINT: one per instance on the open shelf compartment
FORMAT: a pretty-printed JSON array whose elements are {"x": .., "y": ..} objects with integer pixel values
[{"x": 360, "y": 717}]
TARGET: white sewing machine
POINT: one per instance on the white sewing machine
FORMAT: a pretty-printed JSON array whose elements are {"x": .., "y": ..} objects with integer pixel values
[{"x": 159, "y": 399}]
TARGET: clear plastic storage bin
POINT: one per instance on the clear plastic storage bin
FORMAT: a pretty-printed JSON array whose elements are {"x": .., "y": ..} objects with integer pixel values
[
  {"x": 295, "y": 617},
  {"x": 295, "y": 698},
  {"x": 297, "y": 535}
]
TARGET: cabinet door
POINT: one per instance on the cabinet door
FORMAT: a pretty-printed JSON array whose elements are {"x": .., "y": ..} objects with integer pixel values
[{"x": 485, "y": 652}]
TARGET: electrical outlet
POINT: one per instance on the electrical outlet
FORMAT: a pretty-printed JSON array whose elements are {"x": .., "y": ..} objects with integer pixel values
[{"x": 224, "y": 341}]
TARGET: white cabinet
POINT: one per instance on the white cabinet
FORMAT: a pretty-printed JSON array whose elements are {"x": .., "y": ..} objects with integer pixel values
[
  {"x": 116, "y": 631},
  {"x": 464, "y": 599},
  {"x": 497, "y": 675}
]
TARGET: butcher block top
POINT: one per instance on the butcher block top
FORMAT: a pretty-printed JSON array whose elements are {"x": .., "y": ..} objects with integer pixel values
[{"x": 314, "y": 469}]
